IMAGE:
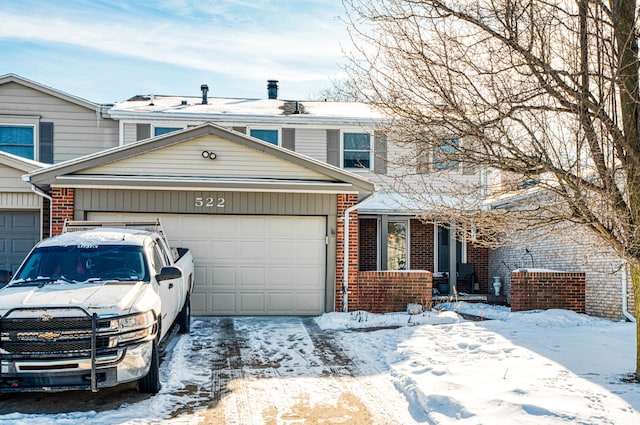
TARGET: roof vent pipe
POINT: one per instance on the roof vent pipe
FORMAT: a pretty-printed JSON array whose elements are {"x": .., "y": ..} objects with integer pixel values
[
  {"x": 272, "y": 89},
  {"x": 205, "y": 89}
]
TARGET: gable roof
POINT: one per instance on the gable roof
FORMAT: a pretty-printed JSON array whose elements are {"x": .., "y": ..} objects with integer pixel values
[
  {"x": 13, "y": 78},
  {"x": 93, "y": 170},
  {"x": 20, "y": 163}
]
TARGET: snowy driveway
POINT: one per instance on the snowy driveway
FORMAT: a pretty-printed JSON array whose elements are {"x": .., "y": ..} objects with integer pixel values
[
  {"x": 230, "y": 370},
  {"x": 548, "y": 367}
]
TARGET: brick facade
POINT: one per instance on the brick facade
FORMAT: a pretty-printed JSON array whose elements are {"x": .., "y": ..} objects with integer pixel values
[
  {"x": 479, "y": 256},
  {"x": 368, "y": 244},
  {"x": 421, "y": 245},
  {"x": 62, "y": 206},
  {"x": 390, "y": 291},
  {"x": 546, "y": 290},
  {"x": 571, "y": 249}
]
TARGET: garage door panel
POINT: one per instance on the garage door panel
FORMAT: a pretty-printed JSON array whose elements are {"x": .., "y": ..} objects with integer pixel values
[
  {"x": 307, "y": 277},
  {"x": 281, "y": 302},
  {"x": 307, "y": 252},
  {"x": 252, "y": 303},
  {"x": 222, "y": 303},
  {"x": 281, "y": 277},
  {"x": 252, "y": 250},
  {"x": 223, "y": 251},
  {"x": 200, "y": 273},
  {"x": 307, "y": 303},
  {"x": 198, "y": 300},
  {"x": 252, "y": 278},
  {"x": 19, "y": 232},
  {"x": 250, "y": 264},
  {"x": 222, "y": 277}
]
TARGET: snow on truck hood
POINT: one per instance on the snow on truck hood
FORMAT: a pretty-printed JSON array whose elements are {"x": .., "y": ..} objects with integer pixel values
[{"x": 102, "y": 298}]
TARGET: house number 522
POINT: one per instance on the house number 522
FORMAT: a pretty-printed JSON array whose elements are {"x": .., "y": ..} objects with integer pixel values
[{"x": 209, "y": 202}]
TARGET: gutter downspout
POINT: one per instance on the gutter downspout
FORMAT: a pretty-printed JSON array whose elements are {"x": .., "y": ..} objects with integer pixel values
[
  {"x": 40, "y": 192},
  {"x": 625, "y": 312},
  {"x": 345, "y": 254}
]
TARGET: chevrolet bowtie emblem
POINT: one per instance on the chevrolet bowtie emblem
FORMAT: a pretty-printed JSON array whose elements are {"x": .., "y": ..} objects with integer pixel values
[
  {"x": 49, "y": 336},
  {"x": 46, "y": 317}
]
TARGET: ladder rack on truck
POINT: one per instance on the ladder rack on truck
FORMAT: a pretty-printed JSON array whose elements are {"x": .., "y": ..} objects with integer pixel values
[{"x": 150, "y": 226}]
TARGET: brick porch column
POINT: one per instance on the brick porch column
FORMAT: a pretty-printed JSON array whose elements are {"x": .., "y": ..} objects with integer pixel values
[
  {"x": 345, "y": 201},
  {"x": 61, "y": 208}
]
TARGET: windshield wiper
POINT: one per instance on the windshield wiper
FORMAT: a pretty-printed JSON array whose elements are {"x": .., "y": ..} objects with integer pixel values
[{"x": 40, "y": 280}]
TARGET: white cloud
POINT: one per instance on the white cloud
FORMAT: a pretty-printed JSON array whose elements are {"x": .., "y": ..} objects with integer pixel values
[{"x": 245, "y": 39}]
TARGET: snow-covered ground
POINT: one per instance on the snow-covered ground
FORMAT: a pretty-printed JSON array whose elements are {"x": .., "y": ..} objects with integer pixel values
[{"x": 541, "y": 367}]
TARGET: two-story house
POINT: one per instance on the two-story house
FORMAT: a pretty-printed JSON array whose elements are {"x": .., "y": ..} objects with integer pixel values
[{"x": 271, "y": 196}]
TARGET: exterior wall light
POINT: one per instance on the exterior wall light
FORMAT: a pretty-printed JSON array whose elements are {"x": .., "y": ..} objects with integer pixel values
[{"x": 209, "y": 154}]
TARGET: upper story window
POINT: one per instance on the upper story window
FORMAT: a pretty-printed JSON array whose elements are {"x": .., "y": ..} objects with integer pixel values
[
  {"x": 158, "y": 131},
  {"x": 269, "y": 136},
  {"x": 356, "y": 150},
  {"x": 442, "y": 156},
  {"x": 18, "y": 140}
]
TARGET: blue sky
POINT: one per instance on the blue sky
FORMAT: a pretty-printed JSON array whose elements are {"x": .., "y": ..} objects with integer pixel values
[{"x": 107, "y": 51}]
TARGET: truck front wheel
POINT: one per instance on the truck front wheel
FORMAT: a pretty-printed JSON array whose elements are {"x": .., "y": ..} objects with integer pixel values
[
  {"x": 184, "y": 318},
  {"x": 150, "y": 383}
]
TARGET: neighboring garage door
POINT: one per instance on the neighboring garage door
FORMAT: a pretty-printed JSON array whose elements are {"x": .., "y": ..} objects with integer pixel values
[
  {"x": 250, "y": 265},
  {"x": 19, "y": 232}
]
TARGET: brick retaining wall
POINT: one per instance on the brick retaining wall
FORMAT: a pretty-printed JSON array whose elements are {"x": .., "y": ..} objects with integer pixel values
[
  {"x": 546, "y": 290},
  {"x": 391, "y": 291}
]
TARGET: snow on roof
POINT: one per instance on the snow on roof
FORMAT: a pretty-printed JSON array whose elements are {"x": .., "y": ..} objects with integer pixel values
[
  {"x": 407, "y": 203},
  {"x": 230, "y": 106}
]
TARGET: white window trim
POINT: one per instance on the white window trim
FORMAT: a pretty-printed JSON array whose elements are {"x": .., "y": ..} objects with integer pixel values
[
  {"x": 181, "y": 126},
  {"x": 408, "y": 242},
  {"x": 372, "y": 145},
  {"x": 267, "y": 128},
  {"x": 34, "y": 123}
]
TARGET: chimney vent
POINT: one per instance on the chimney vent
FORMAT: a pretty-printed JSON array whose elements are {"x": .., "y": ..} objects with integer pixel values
[
  {"x": 272, "y": 89},
  {"x": 205, "y": 89}
]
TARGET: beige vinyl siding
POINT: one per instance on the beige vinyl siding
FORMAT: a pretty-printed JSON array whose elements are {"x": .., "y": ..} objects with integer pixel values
[
  {"x": 11, "y": 180},
  {"x": 312, "y": 142},
  {"x": 77, "y": 130},
  {"x": 233, "y": 160},
  {"x": 128, "y": 133},
  {"x": 158, "y": 201},
  {"x": 20, "y": 201}
]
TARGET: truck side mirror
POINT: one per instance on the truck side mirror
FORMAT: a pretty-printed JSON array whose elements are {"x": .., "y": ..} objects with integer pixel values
[{"x": 169, "y": 272}]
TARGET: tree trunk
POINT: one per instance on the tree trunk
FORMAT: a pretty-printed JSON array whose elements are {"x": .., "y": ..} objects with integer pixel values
[{"x": 635, "y": 281}]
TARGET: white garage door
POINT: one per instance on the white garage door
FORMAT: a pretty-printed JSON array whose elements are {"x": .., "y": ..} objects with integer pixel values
[{"x": 250, "y": 265}]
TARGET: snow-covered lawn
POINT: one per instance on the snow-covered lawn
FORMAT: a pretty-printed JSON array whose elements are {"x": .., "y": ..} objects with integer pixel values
[{"x": 543, "y": 367}]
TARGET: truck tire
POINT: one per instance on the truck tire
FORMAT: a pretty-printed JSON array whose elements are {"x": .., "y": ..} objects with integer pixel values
[
  {"x": 150, "y": 383},
  {"x": 184, "y": 318}
]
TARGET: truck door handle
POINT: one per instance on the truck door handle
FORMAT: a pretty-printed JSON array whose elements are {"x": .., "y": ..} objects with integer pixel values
[{"x": 170, "y": 285}]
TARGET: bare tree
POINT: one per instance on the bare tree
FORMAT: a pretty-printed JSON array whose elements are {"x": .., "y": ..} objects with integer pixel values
[
  {"x": 544, "y": 92},
  {"x": 338, "y": 91}
]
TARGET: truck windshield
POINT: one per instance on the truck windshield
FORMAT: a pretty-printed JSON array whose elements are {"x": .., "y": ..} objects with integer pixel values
[{"x": 84, "y": 263}]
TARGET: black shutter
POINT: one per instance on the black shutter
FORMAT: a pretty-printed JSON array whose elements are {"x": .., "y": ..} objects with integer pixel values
[
  {"x": 289, "y": 138},
  {"x": 45, "y": 148},
  {"x": 143, "y": 131},
  {"x": 333, "y": 147},
  {"x": 380, "y": 153}
]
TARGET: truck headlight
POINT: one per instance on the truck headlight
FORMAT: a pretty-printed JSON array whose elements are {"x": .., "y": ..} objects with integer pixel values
[{"x": 135, "y": 327}]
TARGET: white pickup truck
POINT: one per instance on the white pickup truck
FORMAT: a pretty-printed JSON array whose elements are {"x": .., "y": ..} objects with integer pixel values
[{"x": 88, "y": 309}]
